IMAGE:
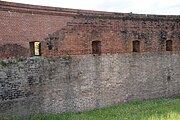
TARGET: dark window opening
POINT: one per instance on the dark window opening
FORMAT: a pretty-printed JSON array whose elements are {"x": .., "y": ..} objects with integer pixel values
[
  {"x": 136, "y": 46},
  {"x": 169, "y": 45},
  {"x": 168, "y": 78},
  {"x": 35, "y": 48},
  {"x": 96, "y": 47}
]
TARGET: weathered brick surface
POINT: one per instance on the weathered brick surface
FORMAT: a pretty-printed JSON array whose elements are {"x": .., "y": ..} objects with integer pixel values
[
  {"x": 23, "y": 27},
  {"x": 10, "y": 50},
  {"x": 77, "y": 80},
  {"x": 77, "y": 83},
  {"x": 116, "y": 34},
  {"x": 71, "y": 31}
]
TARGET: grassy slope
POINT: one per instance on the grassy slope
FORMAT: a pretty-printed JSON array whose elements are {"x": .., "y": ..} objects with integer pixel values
[{"x": 161, "y": 109}]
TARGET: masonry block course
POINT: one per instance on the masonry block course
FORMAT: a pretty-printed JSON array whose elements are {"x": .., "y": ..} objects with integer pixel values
[{"x": 77, "y": 83}]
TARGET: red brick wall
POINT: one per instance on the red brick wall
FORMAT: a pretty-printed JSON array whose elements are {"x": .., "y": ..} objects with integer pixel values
[
  {"x": 116, "y": 34},
  {"x": 21, "y": 27},
  {"x": 71, "y": 32}
]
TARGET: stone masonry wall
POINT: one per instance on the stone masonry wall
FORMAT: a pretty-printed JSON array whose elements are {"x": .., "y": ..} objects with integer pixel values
[{"x": 76, "y": 83}]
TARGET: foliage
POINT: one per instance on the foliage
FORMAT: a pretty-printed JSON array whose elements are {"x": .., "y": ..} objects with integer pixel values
[
  {"x": 5, "y": 64},
  {"x": 11, "y": 62}
]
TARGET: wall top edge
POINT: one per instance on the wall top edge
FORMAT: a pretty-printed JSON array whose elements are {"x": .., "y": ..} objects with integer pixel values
[{"x": 27, "y": 8}]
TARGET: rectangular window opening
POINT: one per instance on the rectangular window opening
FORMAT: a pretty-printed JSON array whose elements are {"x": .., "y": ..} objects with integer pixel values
[
  {"x": 169, "y": 45},
  {"x": 96, "y": 47},
  {"x": 136, "y": 46},
  {"x": 35, "y": 48}
]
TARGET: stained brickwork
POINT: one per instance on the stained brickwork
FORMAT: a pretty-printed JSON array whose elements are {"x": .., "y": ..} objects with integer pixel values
[
  {"x": 134, "y": 56},
  {"x": 116, "y": 34},
  {"x": 71, "y": 32},
  {"x": 20, "y": 25},
  {"x": 10, "y": 50}
]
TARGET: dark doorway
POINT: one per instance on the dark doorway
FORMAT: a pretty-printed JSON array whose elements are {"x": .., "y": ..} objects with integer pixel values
[
  {"x": 136, "y": 46},
  {"x": 169, "y": 45},
  {"x": 96, "y": 47}
]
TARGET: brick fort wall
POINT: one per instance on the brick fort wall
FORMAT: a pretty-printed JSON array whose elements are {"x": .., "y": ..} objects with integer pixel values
[{"x": 71, "y": 31}]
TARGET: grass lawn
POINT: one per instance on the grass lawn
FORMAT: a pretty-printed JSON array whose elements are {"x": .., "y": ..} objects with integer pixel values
[{"x": 159, "y": 109}]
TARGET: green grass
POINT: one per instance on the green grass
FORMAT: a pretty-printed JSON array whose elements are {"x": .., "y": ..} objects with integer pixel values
[
  {"x": 11, "y": 62},
  {"x": 159, "y": 109}
]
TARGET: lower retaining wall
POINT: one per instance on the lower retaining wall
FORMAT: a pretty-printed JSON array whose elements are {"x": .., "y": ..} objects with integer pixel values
[{"x": 76, "y": 83}]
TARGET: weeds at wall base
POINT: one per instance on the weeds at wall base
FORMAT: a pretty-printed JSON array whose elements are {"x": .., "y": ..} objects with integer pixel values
[{"x": 6, "y": 63}]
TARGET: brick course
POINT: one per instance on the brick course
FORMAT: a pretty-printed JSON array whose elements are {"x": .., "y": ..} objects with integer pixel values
[{"x": 76, "y": 29}]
